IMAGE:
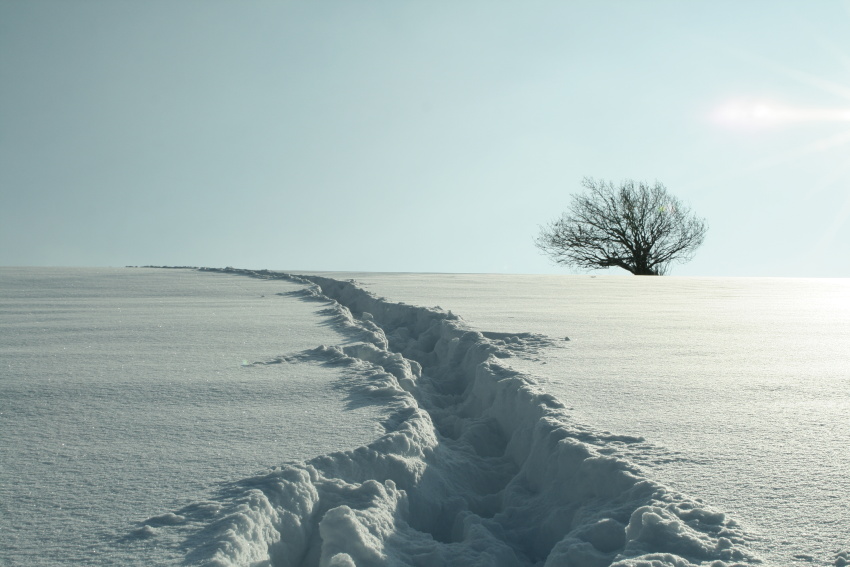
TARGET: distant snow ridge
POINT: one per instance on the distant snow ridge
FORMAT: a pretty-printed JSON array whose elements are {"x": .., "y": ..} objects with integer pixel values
[{"x": 477, "y": 468}]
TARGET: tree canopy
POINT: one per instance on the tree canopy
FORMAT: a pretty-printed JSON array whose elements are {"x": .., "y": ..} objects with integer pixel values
[{"x": 635, "y": 226}]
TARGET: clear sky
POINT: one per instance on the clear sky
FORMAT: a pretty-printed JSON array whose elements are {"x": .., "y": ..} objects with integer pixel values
[{"x": 416, "y": 136}]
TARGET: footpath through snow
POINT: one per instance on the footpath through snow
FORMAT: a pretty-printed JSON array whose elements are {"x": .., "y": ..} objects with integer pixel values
[{"x": 477, "y": 467}]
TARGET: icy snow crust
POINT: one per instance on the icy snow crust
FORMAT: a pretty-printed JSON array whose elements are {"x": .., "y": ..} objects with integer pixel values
[{"x": 477, "y": 467}]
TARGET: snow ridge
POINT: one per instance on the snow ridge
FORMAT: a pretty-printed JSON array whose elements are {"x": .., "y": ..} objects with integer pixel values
[{"x": 477, "y": 467}]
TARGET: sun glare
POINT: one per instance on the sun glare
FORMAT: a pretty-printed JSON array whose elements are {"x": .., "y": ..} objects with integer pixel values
[{"x": 756, "y": 114}]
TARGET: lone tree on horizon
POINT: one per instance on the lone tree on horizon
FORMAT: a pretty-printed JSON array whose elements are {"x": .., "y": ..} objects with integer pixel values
[{"x": 634, "y": 226}]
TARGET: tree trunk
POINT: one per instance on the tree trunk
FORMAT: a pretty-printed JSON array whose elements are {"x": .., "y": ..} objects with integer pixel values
[{"x": 643, "y": 270}]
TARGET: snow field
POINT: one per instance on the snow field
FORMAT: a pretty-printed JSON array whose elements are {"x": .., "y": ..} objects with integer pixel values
[
  {"x": 738, "y": 385},
  {"x": 128, "y": 393},
  {"x": 477, "y": 467}
]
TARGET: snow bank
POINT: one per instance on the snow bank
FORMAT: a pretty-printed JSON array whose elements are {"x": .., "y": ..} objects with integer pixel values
[{"x": 477, "y": 467}]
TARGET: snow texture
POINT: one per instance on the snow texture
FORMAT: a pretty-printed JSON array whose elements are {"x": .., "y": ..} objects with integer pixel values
[{"x": 477, "y": 467}]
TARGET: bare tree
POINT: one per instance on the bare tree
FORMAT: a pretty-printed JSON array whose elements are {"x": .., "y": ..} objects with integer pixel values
[{"x": 634, "y": 226}]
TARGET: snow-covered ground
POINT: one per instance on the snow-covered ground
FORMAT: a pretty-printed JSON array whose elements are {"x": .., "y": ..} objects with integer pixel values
[
  {"x": 740, "y": 386},
  {"x": 125, "y": 394},
  {"x": 142, "y": 409}
]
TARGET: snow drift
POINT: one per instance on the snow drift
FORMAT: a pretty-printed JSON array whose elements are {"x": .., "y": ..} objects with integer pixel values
[{"x": 477, "y": 467}]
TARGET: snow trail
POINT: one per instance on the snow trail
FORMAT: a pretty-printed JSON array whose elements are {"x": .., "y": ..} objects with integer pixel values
[{"x": 477, "y": 467}]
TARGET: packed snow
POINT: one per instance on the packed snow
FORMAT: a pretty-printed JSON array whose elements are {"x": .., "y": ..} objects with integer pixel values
[{"x": 412, "y": 438}]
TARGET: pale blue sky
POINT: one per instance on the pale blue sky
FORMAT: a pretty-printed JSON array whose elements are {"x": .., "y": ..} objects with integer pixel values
[{"x": 416, "y": 136}]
